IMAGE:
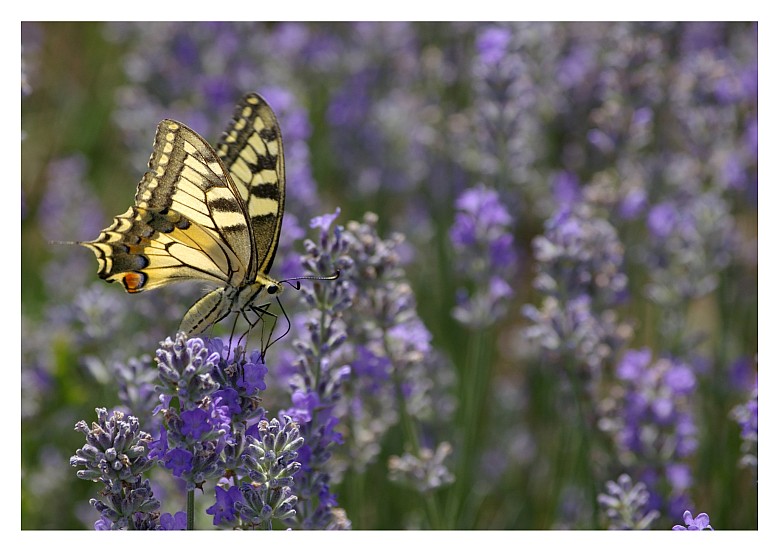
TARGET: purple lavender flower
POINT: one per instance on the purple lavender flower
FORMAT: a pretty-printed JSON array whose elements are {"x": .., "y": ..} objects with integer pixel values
[
  {"x": 375, "y": 357},
  {"x": 217, "y": 399},
  {"x": 173, "y": 522},
  {"x": 484, "y": 248},
  {"x": 691, "y": 240},
  {"x": 650, "y": 418},
  {"x": 270, "y": 463},
  {"x": 700, "y": 523},
  {"x": 625, "y": 504},
  {"x": 492, "y": 44},
  {"x": 746, "y": 416},
  {"x": 223, "y": 509},
  {"x": 117, "y": 454},
  {"x": 580, "y": 276},
  {"x": 396, "y": 372},
  {"x": 317, "y": 378}
]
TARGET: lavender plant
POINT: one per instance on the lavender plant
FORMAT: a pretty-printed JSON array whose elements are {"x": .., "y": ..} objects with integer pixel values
[{"x": 364, "y": 366}]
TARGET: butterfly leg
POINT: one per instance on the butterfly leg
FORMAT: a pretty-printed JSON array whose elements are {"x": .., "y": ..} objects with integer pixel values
[{"x": 260, "y": 311}]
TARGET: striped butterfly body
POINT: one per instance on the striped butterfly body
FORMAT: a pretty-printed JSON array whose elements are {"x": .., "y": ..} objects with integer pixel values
[{"x": 204, "y": 214}]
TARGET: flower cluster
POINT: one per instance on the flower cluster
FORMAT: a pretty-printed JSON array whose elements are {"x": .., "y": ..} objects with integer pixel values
[
  {"x": 397, "y": 374},
  {"x": 690, "y": 242},
  {"x": 484, "y": 247},
  {"x": 317, "y": 376},
  {"x": 196, "y": 412},
  {"x": 746, "y": 416},
  {"x": 511, "y": 90},
  {"x": 580, "y": 277},
  {"x": 368, "y": 363},
  {"x": 625, "y": 504},
  {"x": 268, "y": 464},
  {"x": 649, "y": 416},
  {"x": 117, "y": 455}
]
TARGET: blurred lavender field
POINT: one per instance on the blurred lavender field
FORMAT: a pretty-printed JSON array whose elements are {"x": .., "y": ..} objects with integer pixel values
[{"x": 548, "y": 310}]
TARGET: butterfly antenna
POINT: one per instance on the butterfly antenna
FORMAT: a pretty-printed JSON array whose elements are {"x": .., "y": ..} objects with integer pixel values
[{"x": 297, "y": 285}]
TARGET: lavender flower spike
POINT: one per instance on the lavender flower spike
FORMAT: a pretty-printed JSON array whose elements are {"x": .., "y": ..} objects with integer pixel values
[
  {"x": 625, "y": 504},
  {"x": 117, "y": 454}
]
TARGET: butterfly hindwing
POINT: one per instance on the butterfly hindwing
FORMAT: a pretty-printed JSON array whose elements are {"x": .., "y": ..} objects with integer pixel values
[
  {"x": 144, "y": 249},
  {"x": 251, "y": 150}
]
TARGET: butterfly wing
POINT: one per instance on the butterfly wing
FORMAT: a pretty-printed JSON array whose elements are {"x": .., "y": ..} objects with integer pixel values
[
  {"x": 187, "y": 221},
  {"x": 251, "y": 150}
]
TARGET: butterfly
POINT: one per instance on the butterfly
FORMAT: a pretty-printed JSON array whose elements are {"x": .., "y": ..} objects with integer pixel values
[{"x": 202, "y": 213}]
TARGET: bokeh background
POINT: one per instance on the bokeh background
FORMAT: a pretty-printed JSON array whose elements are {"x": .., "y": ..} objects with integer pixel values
[{"x": 579, "y": 206}]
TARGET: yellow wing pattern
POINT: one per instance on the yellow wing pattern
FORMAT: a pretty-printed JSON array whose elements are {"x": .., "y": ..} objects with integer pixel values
[{"x": 251, "y": 149}]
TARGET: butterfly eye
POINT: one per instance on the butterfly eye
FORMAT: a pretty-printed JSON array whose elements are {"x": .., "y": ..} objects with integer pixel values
[{"x": 272, "y": 289}]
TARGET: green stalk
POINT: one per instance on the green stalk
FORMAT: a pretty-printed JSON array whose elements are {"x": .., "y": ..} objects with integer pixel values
[
  {"x": 412, "y": 437},
  {"x": 475, "y": 377},
  {"x": 585, "y": 443},
  {"x": 191, "y": 510}
]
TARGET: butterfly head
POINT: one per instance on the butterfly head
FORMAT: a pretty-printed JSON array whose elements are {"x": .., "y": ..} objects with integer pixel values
[{"x": 273, "y": 289}]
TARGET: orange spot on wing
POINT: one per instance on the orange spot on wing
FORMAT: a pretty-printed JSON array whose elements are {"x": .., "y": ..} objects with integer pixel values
[{"x": 134, "y": 282}]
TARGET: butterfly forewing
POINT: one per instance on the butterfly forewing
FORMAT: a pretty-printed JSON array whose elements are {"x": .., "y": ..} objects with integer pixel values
[
  {"x": 186, "y": 176},
  {"x": 251, "y": 150}
]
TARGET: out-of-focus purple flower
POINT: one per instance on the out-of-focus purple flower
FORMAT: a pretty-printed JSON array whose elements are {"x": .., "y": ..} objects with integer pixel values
[
  {"x": 691, "y": 240},
  {"x": 580, "y": 276},
  {"x": 701, "y": 523},
  {"x": 633, "y": 203},
  {"x": 661, "y": 220},
  {"x": 484, "y": 247},
  {"x": 509, "y": 77},
  {"x": 425, "y": 472},
  {"x": 492, "y": 44},
  {"x": 746, "y": 416},
  {"x": 625, "y": 504},
  {"x": 650, "y": 418},
  {"x": 566, "y": 188}
]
